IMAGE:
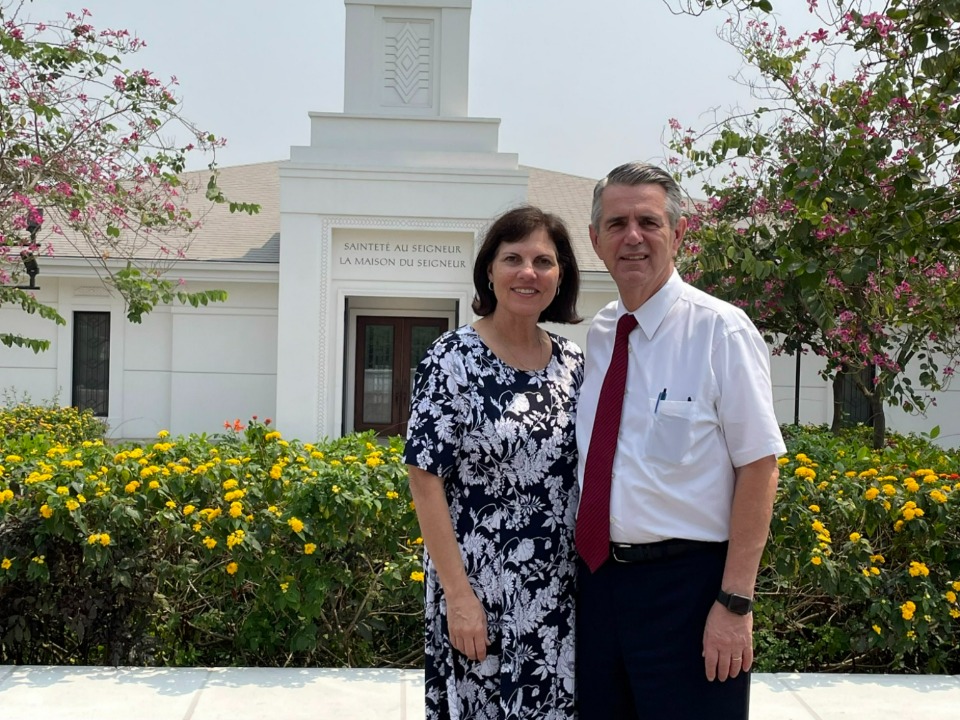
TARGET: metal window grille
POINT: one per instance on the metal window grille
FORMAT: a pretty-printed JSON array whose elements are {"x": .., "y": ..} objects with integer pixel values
[
  {"x": 856, "y": 405},
  {"x": 91, "y": 362}
]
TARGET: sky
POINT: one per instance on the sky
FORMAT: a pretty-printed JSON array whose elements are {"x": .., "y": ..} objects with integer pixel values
[{"x": 577, "y": 91}]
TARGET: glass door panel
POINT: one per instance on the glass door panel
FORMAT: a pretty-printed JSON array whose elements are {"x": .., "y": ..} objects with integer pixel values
[
  {"x": 388, "y": 352},
  {"x": 378, "y": 368}
]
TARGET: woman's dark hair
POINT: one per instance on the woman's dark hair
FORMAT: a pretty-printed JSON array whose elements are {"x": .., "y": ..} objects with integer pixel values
[{"x": 513, "y": 226}]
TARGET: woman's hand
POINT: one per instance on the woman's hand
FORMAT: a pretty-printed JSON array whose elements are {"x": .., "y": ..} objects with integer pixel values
[{"x": 467, "y": 625}]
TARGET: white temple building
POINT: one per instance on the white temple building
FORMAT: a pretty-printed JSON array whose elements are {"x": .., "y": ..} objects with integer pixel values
[{"x": 361, "y": 255}]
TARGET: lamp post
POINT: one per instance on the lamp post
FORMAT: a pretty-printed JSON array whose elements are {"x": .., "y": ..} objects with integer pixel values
[{"x": 26, "y": 255}]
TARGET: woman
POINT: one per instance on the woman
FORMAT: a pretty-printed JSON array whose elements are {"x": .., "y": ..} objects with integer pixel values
[{"x": 492, "y": 459}]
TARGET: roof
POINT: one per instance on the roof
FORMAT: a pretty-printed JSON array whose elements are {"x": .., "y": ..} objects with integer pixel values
[{"x": 241, "y": 238}]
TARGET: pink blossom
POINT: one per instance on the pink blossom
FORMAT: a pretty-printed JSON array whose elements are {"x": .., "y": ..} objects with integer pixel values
[{"x": 819, "y": 36}]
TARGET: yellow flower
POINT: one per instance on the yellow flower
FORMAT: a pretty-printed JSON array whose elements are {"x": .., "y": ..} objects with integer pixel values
[
  {"x": 854, "y": 537},
  {"x": 6, "y": 564},
  {"x": 196, "y": 527},
  {"x": 874, "y": 571},
  {"x": 956, "y": 585},
  {"x": 374, "y": 461},
  {"x": 235, "y": 538},
  {"x": 232, "y": 568},
  {"x": 72, "y": 505},
  {"x": 872, "y": 472},
  {"x": 938, "y": 496},
  {"x": 865, "y": 572},
  {"x": 63, "y": 490},
  {"x": 284, "y": 586},
  {"x": 229, "y": 484},
  {"x": 815, "y": 508},
  {"x": 335, "y": 489},
  {"x": 392, "y": 495},
  {"x": 898, "y": 526},
  {"x": 876, "y": 629},
  {"x": 309, "y": 549},
  {"x": 104, "y": 539},
  {"x": 13, "y": 458},
  {"x": 878, "y": 559},
  {"x": 46, "y": 511},
  {"x": 171, "y": 504},
  {"x": 234, "y": 495},
  {"x": 918, "y": 568},
  {"x": 6, "y": 495},
  {"x": 817, "y": 526},
  {"x": 805, "y": 473},
  {"x": 416, "y": 576},
  {"x": 295, "y": 524},
  {"x": 886, "y": 505},
  {"x": 131, "y": 487},
  {"x": 816, "y": 560},
  {"x": 911, "y": 634},
  {"x": 871, "y": 493},
  {"x": 781, "y": 461},
  {"x": 188, "y": 510},
  {"x": 236, "y": 509},
  {"x": 276, "y": 471},
  {"x": 954, "y": 613},
  {"x": 908, "y": 609},
  {"x": 274, "y": 435},
  {"x": 163, "y": 433},
  {"x": 889, "y": 489},
  {"x": 154, "y": 485},
  {"x": 209, "y": 542},
  {"x": 316, "y": 455},
  {"x": 951, "y": 596},
  {"x": 911, "y": 485}
]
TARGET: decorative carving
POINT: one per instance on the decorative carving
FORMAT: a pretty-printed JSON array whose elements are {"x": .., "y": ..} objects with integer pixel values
[
  {"x": 407, "y": 57},
  {"x": 324, "y": 390}
]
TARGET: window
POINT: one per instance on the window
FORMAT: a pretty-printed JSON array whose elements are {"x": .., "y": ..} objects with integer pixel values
[
  {"x": 91, "y": 362},
  {"x": 856, "y": 405}
]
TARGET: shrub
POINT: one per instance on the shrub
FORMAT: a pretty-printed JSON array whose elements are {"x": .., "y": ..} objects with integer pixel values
[
  {"x": 862, "y": 570},
  {"x": 250, "y": 551},
  {"x": 23, "y": 421}
]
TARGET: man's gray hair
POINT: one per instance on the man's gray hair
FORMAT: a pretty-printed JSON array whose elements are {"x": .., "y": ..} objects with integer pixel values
[{"x": 637, "y": 173}]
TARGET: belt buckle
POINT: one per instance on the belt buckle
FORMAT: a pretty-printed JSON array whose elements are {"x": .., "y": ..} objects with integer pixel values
[{"x": 613, "y": 553}]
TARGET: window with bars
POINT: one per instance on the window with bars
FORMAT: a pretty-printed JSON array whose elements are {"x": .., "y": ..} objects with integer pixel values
[
  {"x": 856, "y": 405},
  {"x": 91, "y": 362}
]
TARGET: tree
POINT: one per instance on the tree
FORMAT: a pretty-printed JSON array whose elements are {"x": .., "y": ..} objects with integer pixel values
[
  {"x": 86, "y": 159},
  {"x": 832, "y": 210}
]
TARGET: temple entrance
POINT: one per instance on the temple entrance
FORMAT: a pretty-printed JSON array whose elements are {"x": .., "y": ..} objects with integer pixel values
[{"x": 388, "y": 350}]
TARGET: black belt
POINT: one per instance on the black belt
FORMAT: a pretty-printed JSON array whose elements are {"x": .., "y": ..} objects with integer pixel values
[{"x": 651, "y": 552}]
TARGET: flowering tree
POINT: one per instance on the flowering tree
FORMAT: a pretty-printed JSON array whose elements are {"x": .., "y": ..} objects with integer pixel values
[
  {"x": 832, "y": 211},
  {"x": 87, "y": 159}
]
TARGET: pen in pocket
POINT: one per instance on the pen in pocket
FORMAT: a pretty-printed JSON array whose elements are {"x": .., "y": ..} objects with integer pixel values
[{"x": 661, "y": 396}]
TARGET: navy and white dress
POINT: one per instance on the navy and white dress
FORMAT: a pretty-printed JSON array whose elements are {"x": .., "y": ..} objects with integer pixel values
[{"x": 503, "y": 441}]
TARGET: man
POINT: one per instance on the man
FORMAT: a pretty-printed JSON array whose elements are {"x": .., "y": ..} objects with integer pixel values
[{"x": 676, "y": 498}]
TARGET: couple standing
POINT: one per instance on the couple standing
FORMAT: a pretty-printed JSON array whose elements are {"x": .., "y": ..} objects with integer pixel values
[{"x": 627, "y": 594}]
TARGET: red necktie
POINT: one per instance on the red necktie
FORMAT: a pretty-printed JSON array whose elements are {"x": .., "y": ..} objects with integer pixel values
[{"x": 593, "y": 516}]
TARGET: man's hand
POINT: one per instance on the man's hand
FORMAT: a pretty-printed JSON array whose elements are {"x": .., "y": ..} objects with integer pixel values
[
  {"x": 467, "y": 625},
  {"x": 727, "y": 643}
]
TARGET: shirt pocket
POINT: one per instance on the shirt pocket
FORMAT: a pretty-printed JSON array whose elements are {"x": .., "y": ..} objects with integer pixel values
[{"x": 671, "y": 437}]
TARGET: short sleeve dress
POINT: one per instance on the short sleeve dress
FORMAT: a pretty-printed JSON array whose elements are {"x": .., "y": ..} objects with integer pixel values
[{"x": 503, "y": 441}]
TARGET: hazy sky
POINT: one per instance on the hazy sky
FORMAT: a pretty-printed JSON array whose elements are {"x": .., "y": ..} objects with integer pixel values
[{"x": 577, "y": 90}]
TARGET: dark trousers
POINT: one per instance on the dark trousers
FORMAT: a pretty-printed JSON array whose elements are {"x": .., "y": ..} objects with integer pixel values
[{"x": 640, "y": 641}]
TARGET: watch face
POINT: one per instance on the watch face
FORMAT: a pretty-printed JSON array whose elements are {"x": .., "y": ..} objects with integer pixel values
[{"x": 739, "y": 604}]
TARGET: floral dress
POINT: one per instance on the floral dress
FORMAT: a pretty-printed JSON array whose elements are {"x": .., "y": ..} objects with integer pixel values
[{"x": 503, "y": 441}]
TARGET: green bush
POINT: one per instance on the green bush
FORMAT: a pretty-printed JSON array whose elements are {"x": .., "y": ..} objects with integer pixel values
[
  {"x": 249, "y": 551},
  {"x": 22, "y": 421},
  {"x": 862, "y": 570},
  {"x": 246, "y": 549}
]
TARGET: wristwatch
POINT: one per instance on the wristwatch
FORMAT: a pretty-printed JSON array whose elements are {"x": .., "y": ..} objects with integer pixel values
[{"x": 738, "y": 604}]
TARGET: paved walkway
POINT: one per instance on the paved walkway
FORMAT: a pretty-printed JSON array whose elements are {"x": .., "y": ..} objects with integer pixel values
[{"x": 94, "y": 693}]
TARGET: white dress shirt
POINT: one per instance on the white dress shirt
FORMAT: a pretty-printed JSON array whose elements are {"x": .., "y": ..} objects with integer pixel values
[{"x": 698, "y": 404}]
